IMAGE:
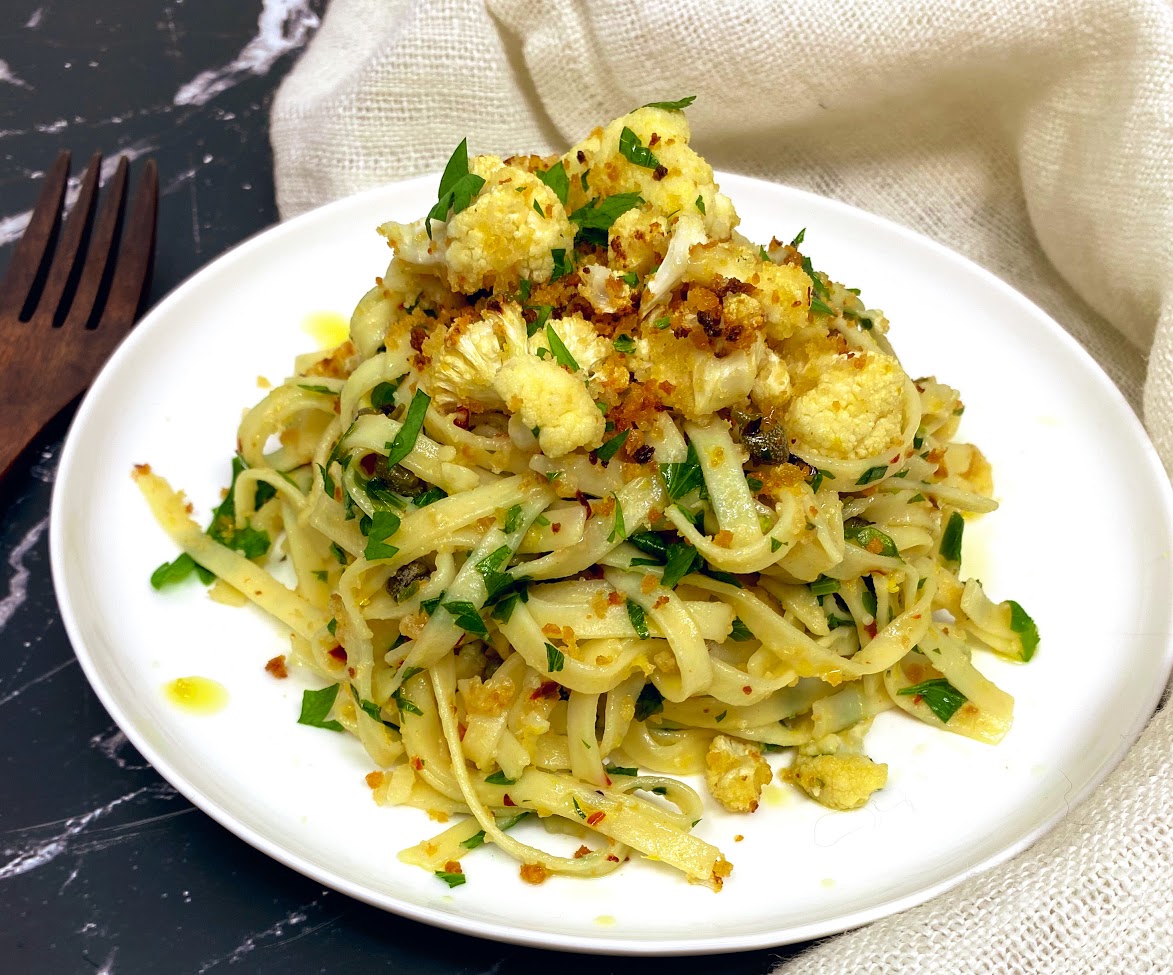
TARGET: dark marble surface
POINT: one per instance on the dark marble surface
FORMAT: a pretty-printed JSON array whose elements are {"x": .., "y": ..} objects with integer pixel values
[{"x": 103, "y": 866}]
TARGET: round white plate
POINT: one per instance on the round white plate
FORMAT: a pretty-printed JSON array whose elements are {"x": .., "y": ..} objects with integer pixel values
[{"x": 1082, "y": 540}]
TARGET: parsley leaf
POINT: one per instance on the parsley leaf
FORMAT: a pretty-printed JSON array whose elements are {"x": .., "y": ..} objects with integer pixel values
[
  {"x": 624, "y": 344},
  {"x": 384, "y": 524},
  {"x": 561, "y": 353},
  {"x": 452, "y": 879},
  {"x": 609, "y": 448},
  {"x": 467, "y": 617},
  {"x": 662, "y": 323},
  {"x": 499, "y": 778},
  {"x": 555, "y": 178},
  {"x": 681, "y": 479},
  {"x": 532, "y": 328},
  {"x": 824, "y": 586},
  {"x": 324, "y": 390},
  {"x": 315, "y": 705},
  {"x": 1025, "y": 627},
  {"x": 555, "y": 658},
  {"x": 871, "y": 474},
  {"x": 798, "y": 238},
  {"x": 405, "y": 706},
  {"x": 700, "y": 204},
  {"x": 562, "y": 265},
  {"x": 951, "y": 538},
  {"x": 636, "y": 152},
  {"x": 538, "y": 208},
  {"x": 869, "y": 537},
  {"x": 170, "y": 573},
  {"x": 404, "y": 442},
  {"x": 649, "y": 702},
  {"x": 682, "y": 559},
  {"x": 819, "y": 307},
  {"x": 620, "y": 529},
  {"x": 457, "y": 187},
  {"x": 430, "y": 496},
  {"x": 513, "y": 518},
  {"x": 740, "y": 631},
  {"x": 595, "y": 217},
  {"x": 635, "y": 613},
  {"x": 942, "y": 697},
  {"x": 677, "y": 106}
]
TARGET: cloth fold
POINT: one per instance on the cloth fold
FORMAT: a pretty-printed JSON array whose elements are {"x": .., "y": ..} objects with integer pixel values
[{"x": 1035, "y": 138}]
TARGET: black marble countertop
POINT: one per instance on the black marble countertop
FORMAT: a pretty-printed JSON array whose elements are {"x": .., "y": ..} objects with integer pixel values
[{"x": 103, "y": 866}]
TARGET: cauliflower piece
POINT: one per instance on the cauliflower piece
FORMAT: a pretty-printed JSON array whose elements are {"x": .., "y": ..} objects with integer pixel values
[
  {"x": 855, "y": 409},
  {"x": 607, "y": 292},
  {"x": 555, "y": 401},
  {"x": 466, "y": 357},
  {"x": 736, "y": 772},
  {"x": 782, "y": 291},
  {"x": 689, "y": 233},
  {"x": 402, "y": 286},
  {"x": 843, "y": 781},
  {"x": 581, "y": 340},
  {"x": 771, "y": 386},
  {"x": 638, "y": 241},
  {"x": 498, "y": 240},
  {"x": 682, "y": 178}
]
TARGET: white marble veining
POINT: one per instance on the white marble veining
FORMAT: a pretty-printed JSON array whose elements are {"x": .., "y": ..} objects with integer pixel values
[
  {"x": 11, "y": 227},
  {"x": 35, "y": 19},
  {"x": 283, "y": 26},
  {"x": 289, "y": 928},
  {"x": 18, "y": 584},
  {"x": 8, "y": 77},
  {"x": 37, "y": 853}
]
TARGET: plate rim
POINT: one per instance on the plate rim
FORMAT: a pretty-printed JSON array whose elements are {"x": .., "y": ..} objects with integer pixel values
[{"x": 603, "y": 944}]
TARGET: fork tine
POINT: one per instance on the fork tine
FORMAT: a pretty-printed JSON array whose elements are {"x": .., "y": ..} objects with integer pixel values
[
  {"x": 65, "y": 254},
  {"x": 98, "y": 253},
  {"x": 132, "y": 275},
  {"x": 30, "y": 252}
]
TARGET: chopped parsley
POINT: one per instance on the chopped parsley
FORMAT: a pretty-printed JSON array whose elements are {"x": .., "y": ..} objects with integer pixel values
[
  {"x": 594, "y": 218},
  {"x": 384, "y": 524},
  {"x": 430, "y": 496},
  {"x": 315, "y": 705},
  {"x": 1025, "y": 627},
  {"x": 561, "y": 353},
  {"x": 677, "y": 106},
  {"x": 740, "y": 631},
  {"x": 610, "y": 447},
  {"x": 942, "y": 698},
  {"x": 682, "y": 479},
  {"x": 799, "y": 238},
  {"x": 513, "y": 518},
  {"x": 457, "y": 187},
  {"x": 499, "y": 778},
  {"x": 636, "y": 152},
  {"x": 562, "y": 265},
  {"x": 872, "y": 474},
  {"x": 869, "y": 537},
  {"x": 452, "y": 879},
  {"x": 555, "y": 659},
  {"x": 620, "y": 529},
  {"x": 682, "y": 559},
  {"x": 538, "y": 208},
  {"x": 324, "y": 390},
  {"x": 824, "y": 585},
  {"x": 404, "y": 442},
  {"x": 649, "y": 702},
  {"x": 170, "y": 573},
  {"x": 339, "y": 553},
  {"x": 635, "y": 613},
  {"x": 951, "y": 538},
  {"x": 532, "y": 328},
  {"x": 662, "y": 323},
  {"x": 555, "y": 178},
  {"x": 700, "y": 204},
  {"x": 624, "y": 344},
  {"x": 820, "y": 307},
  {"x": 467, "y": 617}
]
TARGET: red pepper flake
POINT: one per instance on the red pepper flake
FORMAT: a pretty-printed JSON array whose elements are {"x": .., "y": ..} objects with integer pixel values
[
  {"x": 417, "y": 763},
  {"x": 747, "y": 689},
  {"x": 548, "y": 688},
  {"x": 596, "y": 817},
  {"x": 337, "y": 653},
  {"x": 582, "y": 851},
  {"x": 871, "y": 630},
  {"x": 508, "y": 801},
  {"x": 556, "y": 527},
  {"x": 368, "y": 463}
]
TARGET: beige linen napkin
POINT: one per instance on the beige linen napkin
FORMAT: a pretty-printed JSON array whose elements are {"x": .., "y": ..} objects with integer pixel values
[{"x": 1035, "y": 138}]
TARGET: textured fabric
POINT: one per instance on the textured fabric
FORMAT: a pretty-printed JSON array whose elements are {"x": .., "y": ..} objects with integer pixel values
[{"x": 1035, "y": 138}]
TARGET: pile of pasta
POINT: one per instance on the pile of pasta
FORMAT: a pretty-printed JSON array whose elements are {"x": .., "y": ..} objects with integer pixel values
[{"x": 524, "y": 611}]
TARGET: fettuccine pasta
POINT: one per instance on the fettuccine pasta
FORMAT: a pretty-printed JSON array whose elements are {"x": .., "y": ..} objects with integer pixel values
[{"x": 599, "y": 494}]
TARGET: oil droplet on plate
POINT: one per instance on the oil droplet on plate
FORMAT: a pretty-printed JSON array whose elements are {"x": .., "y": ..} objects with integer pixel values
[
  {"x": 197, "y": 695},
  {"x": 605, "y": 920},
  {"x": 828, "y": 882},
  {"x": 327, "y": 327},
  {"x": 775, "y": 796}
]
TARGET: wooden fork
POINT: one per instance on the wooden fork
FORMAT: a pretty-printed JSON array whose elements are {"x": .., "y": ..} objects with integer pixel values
[{"x": 70, "y": 297}]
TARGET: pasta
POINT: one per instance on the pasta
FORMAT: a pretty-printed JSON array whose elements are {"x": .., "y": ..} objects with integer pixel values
[{"x": 599, "y": 494}]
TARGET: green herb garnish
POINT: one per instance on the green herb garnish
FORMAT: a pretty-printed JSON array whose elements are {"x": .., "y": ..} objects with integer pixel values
[
  {"x": 942, "y": 697},
  {"x": 315, "y": 705}
]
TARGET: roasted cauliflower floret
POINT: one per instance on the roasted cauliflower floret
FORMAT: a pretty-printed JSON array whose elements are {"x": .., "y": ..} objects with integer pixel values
[
  {"x": 466, "y": 357},
  {"x": 781, "y": 290},
  {"x": 843, "y": 781},
  {"x": 736, "y": 772},
  {"x": 588, "y": 348},
  {"x": 555, "y": 401},
  {"x": 853, "y": 410},
  {"x": 673, "y": 186},
  {"x": 495, "y": 242},
  {"x": 638, "y": 240},
  {"x": 771, "y": 386},
  {"x": 605, "y": 289},
  {"x": 402, "y": 286}
]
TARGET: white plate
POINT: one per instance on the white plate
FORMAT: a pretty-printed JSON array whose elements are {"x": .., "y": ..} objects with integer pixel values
[{"x": 1082, "y": 540}]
